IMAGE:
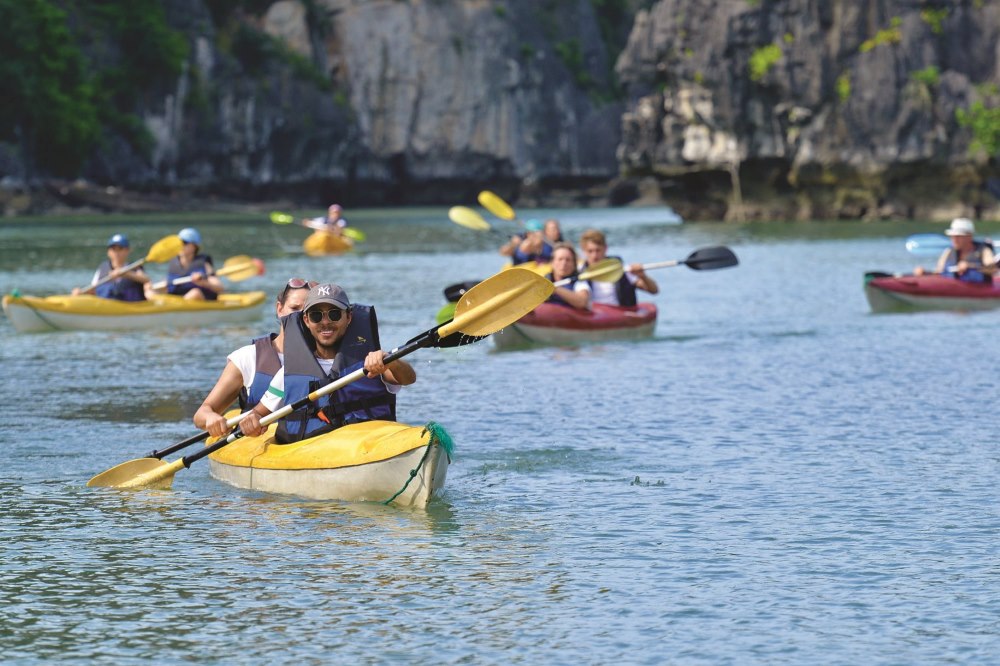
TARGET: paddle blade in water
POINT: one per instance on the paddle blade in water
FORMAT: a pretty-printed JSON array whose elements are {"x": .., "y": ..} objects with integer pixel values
[
  {"x": 165, "y": 249},
  {"x": 927, "y": 245},
  {"x": 354, "y": 234},
  {"x": 710, "y": 258},
  {"x": 496, "y": 205},
  {"x": 466, "y": 217},
  {"x": 497, "y": 302}
]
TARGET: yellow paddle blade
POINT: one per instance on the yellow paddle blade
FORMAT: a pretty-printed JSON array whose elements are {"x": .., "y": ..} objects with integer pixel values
[
  {"x": 281, "y": 218},
  {"x": 237, "y": 272},
  {"x": 148, "y": 472},
  {"x": 354, "y": 234},
  {"x": 469, "y": 218},
  {"x": 496, "y": 205},
  {"x": 497, "y": 302},
  {"x": 605, "y": 270},
  {"x": 165, "y": 249}
]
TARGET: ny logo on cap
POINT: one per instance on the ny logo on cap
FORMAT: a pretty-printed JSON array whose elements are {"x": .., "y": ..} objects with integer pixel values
[{"x": 323, "y": 290}]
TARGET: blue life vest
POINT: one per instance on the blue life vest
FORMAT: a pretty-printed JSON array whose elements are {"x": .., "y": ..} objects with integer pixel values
[
  {"x": 268, "y": 364},
  {"x": 542, "y": 257},
  {"x": 197, "y": 265},
  {"x": 975, "y": 259},
  {"x": 624, "y": 290},
  {"x": 120, "y": 289},
  {"x": 366, "y": 399}
]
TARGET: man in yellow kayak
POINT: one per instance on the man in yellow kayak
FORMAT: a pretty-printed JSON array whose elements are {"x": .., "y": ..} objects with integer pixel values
[
  {"x": 333, "y": 223},
  {"x": 330, "y": 338},
  {"x": 127, "y": 286},
  {"x": 250, "y": 369},
  {"x": 595, "y": 249}
]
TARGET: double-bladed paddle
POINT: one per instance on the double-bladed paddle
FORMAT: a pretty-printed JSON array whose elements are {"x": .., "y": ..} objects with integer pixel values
[
  {"x": 350, "y": 232},
  {"x": 162, "y": 250},
  {"x": 238, "y": 268},
  {"x": 484, "y": 309},
  {"x": 704, "y": 259}
]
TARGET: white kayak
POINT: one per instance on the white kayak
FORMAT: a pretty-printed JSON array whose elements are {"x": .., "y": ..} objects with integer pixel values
[{"x": 374, "y": 461}]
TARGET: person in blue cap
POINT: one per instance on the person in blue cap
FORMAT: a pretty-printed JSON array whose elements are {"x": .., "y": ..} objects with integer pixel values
[
  {"x": 204, "y": 285},
  {"x": 126, "y": 286},
  {"x": 532, "y": 247}
]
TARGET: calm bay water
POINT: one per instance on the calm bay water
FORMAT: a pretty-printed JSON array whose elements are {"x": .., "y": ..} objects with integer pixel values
[{"x": 777, "y": 477}]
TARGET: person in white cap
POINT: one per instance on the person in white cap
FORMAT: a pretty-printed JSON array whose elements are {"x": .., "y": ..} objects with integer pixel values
[{"x": 967, "y": 259}]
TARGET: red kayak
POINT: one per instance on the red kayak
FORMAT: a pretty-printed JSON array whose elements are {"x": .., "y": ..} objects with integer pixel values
[
  {"x": 552, "y": 324},
  {"x": 909, "y": 293}
]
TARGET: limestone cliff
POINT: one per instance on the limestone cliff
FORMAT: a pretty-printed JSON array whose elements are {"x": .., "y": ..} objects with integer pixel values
[{"x": 811, "y": 108}]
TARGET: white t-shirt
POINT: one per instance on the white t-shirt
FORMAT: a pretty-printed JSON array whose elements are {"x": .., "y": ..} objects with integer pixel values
[
  {"x": 245, "y": 360},
  {"x": 275, "y": 395},
  {"x": 604, "y": 292}
]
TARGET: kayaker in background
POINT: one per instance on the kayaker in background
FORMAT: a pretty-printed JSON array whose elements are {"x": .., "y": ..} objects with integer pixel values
[
  {"x": 204, "y": 284},
  {"x": 128, "y": 286},
  {"x": 333, "y": 223},
  {"x": 250, "y": 369},
  {"x": 532, "y": 247},
  {"x": 576, "y": 294},
  {"x": 553, "y": 232},
  {"x": 595, "y": 249},
  {"x": 328, "y": 339},
  {"x": 967, "y": 259}
]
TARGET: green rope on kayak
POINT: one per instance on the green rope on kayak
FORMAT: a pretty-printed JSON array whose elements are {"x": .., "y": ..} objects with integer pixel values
[{"x": 440, "y": 437}]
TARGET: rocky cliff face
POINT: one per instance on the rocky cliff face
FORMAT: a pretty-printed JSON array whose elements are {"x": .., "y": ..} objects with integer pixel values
[
  {"x": 424, "y": 101},
  {"x": 732, "y": 108},
  {"x": 811, "y": 108}
]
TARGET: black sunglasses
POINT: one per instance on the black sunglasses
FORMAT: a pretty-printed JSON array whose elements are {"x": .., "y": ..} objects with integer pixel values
[{"x": 316, "y": 316}]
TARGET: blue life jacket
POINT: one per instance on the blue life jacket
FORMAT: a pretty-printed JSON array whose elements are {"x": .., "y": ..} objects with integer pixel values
[
  {"x": 120, "y": 289},
  {"x": 268, "y": 364},
  {"x": 197, "y": 265},
  {"x": 366, "y": 399},
  {"x": 975, "y": 259},
  {"x": 544, "y": 256},
  {"x": 624, "y": 290}
]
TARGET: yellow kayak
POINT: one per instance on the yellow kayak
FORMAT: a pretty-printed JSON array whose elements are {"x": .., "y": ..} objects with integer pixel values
[
  {"x": 375, "y": 461},
  {"x": 320, "y": 243},
  {"x": 32, "y": 314}
]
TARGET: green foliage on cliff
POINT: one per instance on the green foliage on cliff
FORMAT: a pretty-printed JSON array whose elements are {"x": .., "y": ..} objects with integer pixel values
[
  {"x": 985, "y": 125},
  {"x": 844, "y": 87},
  {"x": 890, "y": 35},
  {"x": 929, "y": 76},
  {"x": 934, "y": 18},
  {"x": 67, "y": 75},
  {"x": 49, "y": 105},
  {"x": 762, "y": 59}
]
